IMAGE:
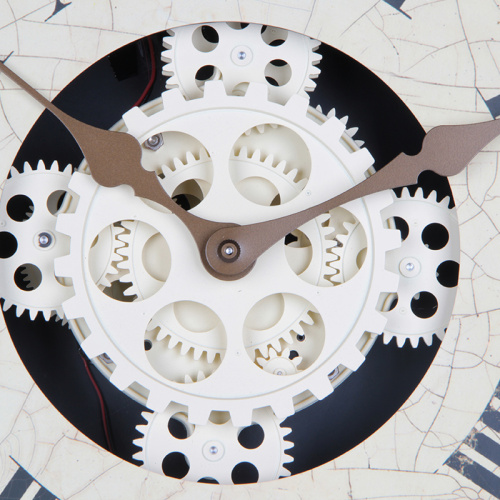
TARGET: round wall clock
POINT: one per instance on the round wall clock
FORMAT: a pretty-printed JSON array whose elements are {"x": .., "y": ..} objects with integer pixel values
[{"x": 356, "y": 357}]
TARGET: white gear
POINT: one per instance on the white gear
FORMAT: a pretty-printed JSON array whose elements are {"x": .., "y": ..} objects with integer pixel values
[
  {"x": 217, "y": 121},
  {"x": 283, "y": 60},
  {"x": 37, "y": 241},
  {"x": 212, "y": 451},
  {"x": 281, "y": 364},
  {"x": 417, "y": 265}
]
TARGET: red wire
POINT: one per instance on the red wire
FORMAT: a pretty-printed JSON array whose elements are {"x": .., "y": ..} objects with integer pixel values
[
  {"x": 153, "y": 73},
  {"x": 102, "y": 404}
]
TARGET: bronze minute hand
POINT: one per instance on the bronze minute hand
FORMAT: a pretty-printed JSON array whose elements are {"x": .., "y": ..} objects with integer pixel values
[
  {"x": 114, "y": 159},
  {"x": 446, "y": 150}
]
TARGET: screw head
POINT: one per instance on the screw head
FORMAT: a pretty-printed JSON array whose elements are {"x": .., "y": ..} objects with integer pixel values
[
  {"x": 44, "y": 240},
  {"x": 242, "y": 55},
  {"x": 154, "y": 142},
  {"x": 213, "y": 450},
  {"x": 410, "y": 266}
]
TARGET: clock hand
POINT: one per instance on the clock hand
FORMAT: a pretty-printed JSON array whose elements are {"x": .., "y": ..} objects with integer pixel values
[
  {"x": 114, "y": 159},
  {"x": 446, "y": 150}
]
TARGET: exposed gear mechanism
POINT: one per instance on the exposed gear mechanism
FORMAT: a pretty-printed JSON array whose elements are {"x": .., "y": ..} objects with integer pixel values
[
  {"x": 427, "y": 263},
  {"x": 237, "y": 54},
  {"x": 106, "y": 318},
  {"x": 213, "y": 452}
]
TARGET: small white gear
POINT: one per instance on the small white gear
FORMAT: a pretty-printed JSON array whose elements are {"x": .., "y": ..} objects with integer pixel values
[
  {"x": 217, "y": 121},
  {"x": 418, "y": 265},
  {"x": 34, "y": 240},
  {"x": 238, "y": 54},
  {"x": 280, "y": 364},
  {"x": 212, "y": 451}
]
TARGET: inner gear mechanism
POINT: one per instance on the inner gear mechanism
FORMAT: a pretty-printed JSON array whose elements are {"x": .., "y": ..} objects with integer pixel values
[
  {"x": 334, "y": 161},
  {"x": 427, "y": 263},
  {"x": 214, "y": 452},
  {"x": 237, "y": 54}
]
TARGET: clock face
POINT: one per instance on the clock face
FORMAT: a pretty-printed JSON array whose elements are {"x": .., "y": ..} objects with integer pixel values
[{"x": 219, "y": 406}]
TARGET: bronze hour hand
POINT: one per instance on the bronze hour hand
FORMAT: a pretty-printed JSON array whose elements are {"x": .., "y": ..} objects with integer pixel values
[
  {"x": 114, "y": 158},
  {"x": 446, "y": 150}
]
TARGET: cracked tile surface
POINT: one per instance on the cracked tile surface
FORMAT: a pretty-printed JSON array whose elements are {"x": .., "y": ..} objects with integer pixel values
[{"x": 443, "y": 59}]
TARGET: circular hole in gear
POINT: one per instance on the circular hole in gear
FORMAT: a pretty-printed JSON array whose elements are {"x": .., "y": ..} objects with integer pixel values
[
  {"x": 206, "y": 73},
  {"x": 28, "y": 277},
  {"x": 244, "y": 473},
  {"x": 55, "y": 201},
  {"x": 20, "y": 208},
  {"x": 237, "y": 26},
  {"x": 178, "y": 427},
  {"x": 208, "y": 480},
  {"x": 273, "y": 36},
  {"x": 251, "y": 437},
  {"x": 270, "y": 164},
  {"x": 402, "y": 226},
  {"x": 273, "y": 328},
  {"x": 447, "y": 273},
  {"x": 435, "y": 236},
  {"x": 8, "y": 245},
  {"x": 188, "y": 342},
  {"x": 424, "y": 305},
  {"x": 298, "y": 251},
  {"x": 205, "y": 38},
  {"x": 278, "y": 73},
  {"x": 175, "y": 465}
]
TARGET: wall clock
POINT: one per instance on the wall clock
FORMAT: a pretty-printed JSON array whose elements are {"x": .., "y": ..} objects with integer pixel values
[{"x": 443, "y": 441}]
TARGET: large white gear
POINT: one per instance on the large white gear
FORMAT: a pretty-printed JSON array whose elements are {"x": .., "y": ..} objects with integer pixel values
[
  {"x": 212, "y": 451},
  {"x": 283, "y": 60},
  {"x": 346, "y": 311},
  {"x": 36, "y": 240},
  {"x": 419, "y": 265}
]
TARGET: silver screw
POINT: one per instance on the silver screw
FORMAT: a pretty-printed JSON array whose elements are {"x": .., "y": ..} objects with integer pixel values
[
  {"x": 410, "y": 266},
  {"x": 242, "y": 55},
  {"x": 213, "y": 450},
  {"x": 44, "y": 240},
  {"x": 280, "y": 372},
  {"x": 154, "y": 143},
  {"x": 229, "y": 251}
]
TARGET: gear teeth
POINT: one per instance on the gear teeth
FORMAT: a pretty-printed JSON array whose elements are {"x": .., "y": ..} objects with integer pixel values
[
  {"x": 136, "y": 121},
  {"x": 27, "y": 168},
  {"x": 47, "y": 315},
  {"x": 240, "y": 417},
  {"x": 188, "y": 379},
  {"x": 185, "y": 349},
  {"x": 157, "y": 402},
  {"x": 64, "y": 224},
  {"x": 391, "y": 281},
  {"x": 276, "y": 345},
  {"x": 199, "y": 416},
  {"x": 322, "y": 388},
  {"x": 387, "y": 337},
  {"x": 334, "y": 128},
  {"x": 162, "y": 334},
  {"x": 439, "y": 333},
  {"x": 281, "y": 166},
  {"x": 298, "y": 104},
  {"x": 344, "y": 119},
  {"x": 353, "y": 359},
  {"x": 414, "y": 341},
  {"x": 257, "y": 91},
  {"x": 283, "y": 408},
  {"x": 287, "y": 337},
  {"x": 214, "y": 89},
  {"x": 351, "y": 132},
  {"x": 400, "y": 340},
  {"x": 428, "y": 338},
  {"x": 139, "y": 456},
  {"x": 197, "y": 353},
  {"x": 256, "y": 155},
  {"x": 71, "y": 307},
  {"x": 172, "y": 342},
  {"x": 20, "y": 310},
  {"x": 261, "y": 128},
  {"x": 264, "y": 351},
  {"x": 34, "y": 313},
  {"x": 92, "y": 346},
  {"x": 362, "y": 160},
  {"x": 319, "y": 108},
  {"x": 211, "y": 356},
  {"x": 359, "y": 143}
]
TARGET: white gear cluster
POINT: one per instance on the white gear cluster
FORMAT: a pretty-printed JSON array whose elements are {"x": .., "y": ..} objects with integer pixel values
[
  {"x": 238, "y": 54},
  {"x": 240, "y": 145}
]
